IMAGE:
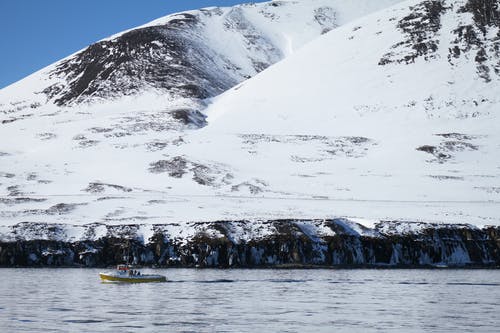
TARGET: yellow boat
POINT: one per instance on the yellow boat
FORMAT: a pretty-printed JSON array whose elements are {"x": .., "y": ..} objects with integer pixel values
[{"x": 123, "y": 273}]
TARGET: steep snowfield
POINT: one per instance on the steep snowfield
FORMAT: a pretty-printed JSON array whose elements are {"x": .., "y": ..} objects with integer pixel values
[
  {"x": 365, "y": 113},
  {"x": 192, "y": 55},
  {"x": 379, "y": 119}
]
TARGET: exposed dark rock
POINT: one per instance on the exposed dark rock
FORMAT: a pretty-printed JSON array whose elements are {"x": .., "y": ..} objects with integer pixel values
[
  {"x": 253, "y": 189},
  {"x": 7, "y": 175},
  {"x": 209, "y": 175},
  {"x": 14, "y": 191},
  {"x": 445, "y": 177},
  {"x": 479, "y": 40},
  {"x": 162, "y": 144},
  {"x": 457, "y": 136},
  {"x": 87, "y": 143},
  {"x": 174, "y": 58},
  {"x": 46, "y": 136},
  {"x": 20, "y": 200},
  {"x": 485, "y": 12},
  {"x": 98, "y": 187},
  {"x": 61, "y": 208},
  {"x": 176, "y": 167},
  {"x": 190, "y": 117},
  {"x": 472, "y": 38},
  {"x": 202, "y": 174},
  {"x": 489, "y": 189},
  {"x": 328, "y": 146},
  {"x": 276, "y": 243},
  {"x": 131, "y": 62},
  {"x": 420, "y": 30},
  {"x": 446, "y": 150},
  {"x": 100, "y": 130},
  {"x": 57, "y": 209},
  {"x": 325, "y": 16}
]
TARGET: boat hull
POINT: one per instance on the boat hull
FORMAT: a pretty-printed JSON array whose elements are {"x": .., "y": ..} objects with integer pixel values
[{"x": 132, "y": 279}]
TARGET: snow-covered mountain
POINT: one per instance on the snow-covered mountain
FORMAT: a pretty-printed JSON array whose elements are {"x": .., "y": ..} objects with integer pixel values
[
  {"x": 390, "y": 113},
  {"x": 186, "y": 57},
  {"x": 392, "y": 116}
]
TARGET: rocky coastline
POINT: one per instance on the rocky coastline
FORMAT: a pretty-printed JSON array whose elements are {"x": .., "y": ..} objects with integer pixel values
[{"x": 283, "y": 243}]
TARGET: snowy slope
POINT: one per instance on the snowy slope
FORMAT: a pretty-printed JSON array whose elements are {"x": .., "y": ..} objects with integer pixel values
[
  {"x": 371, "y": 119},
  {"x": 69, "y": 156},
  {"x": 379, "y": 119},
  {"x": 374, "y": 115},
  {"x": 191, "y": 55}
]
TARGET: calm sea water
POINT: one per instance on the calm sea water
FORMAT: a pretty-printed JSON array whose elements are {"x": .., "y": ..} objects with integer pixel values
[{"x": 74, "y": 300}]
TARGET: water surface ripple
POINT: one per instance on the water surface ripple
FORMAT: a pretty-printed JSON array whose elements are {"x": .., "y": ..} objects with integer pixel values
[{"x": 74, "y": 300}]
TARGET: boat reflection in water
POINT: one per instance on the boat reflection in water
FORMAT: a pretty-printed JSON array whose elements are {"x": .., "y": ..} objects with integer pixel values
[{"x": 125, "y": 274}]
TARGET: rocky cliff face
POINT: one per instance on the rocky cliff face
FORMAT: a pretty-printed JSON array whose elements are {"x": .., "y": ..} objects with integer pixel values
[
  {"x": 276, "y": 243},
  {"x": 389, "y": 116}
]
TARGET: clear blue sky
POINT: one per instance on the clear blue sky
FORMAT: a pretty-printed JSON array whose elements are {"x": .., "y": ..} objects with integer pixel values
[{"x": 36, "y": 33}]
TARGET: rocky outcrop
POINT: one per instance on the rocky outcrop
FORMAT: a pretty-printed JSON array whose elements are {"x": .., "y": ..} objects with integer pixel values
[
  {"x": 180, "y": 56},
  {"x": 277, "y": 243},
  {"x": 476, "y": 35}
]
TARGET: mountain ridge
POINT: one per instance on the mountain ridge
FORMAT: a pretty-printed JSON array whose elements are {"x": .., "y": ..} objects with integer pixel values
[
  {"x": 328, "y": 131},
  {"x": 182, "y": 55}
]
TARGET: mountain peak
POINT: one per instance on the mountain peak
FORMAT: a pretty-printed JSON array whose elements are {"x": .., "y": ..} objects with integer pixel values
[
  {"x": 195, "y": 55},
  {"x": 338, "y": 110}
]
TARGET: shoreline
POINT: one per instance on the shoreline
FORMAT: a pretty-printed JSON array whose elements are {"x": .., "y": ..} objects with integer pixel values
[
  {"x": 280, "y": 267},
  {"x": 276, "y": 244}
]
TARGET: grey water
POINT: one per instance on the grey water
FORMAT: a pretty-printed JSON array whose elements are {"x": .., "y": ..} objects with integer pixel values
[{"x": 209, "y": 300}]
